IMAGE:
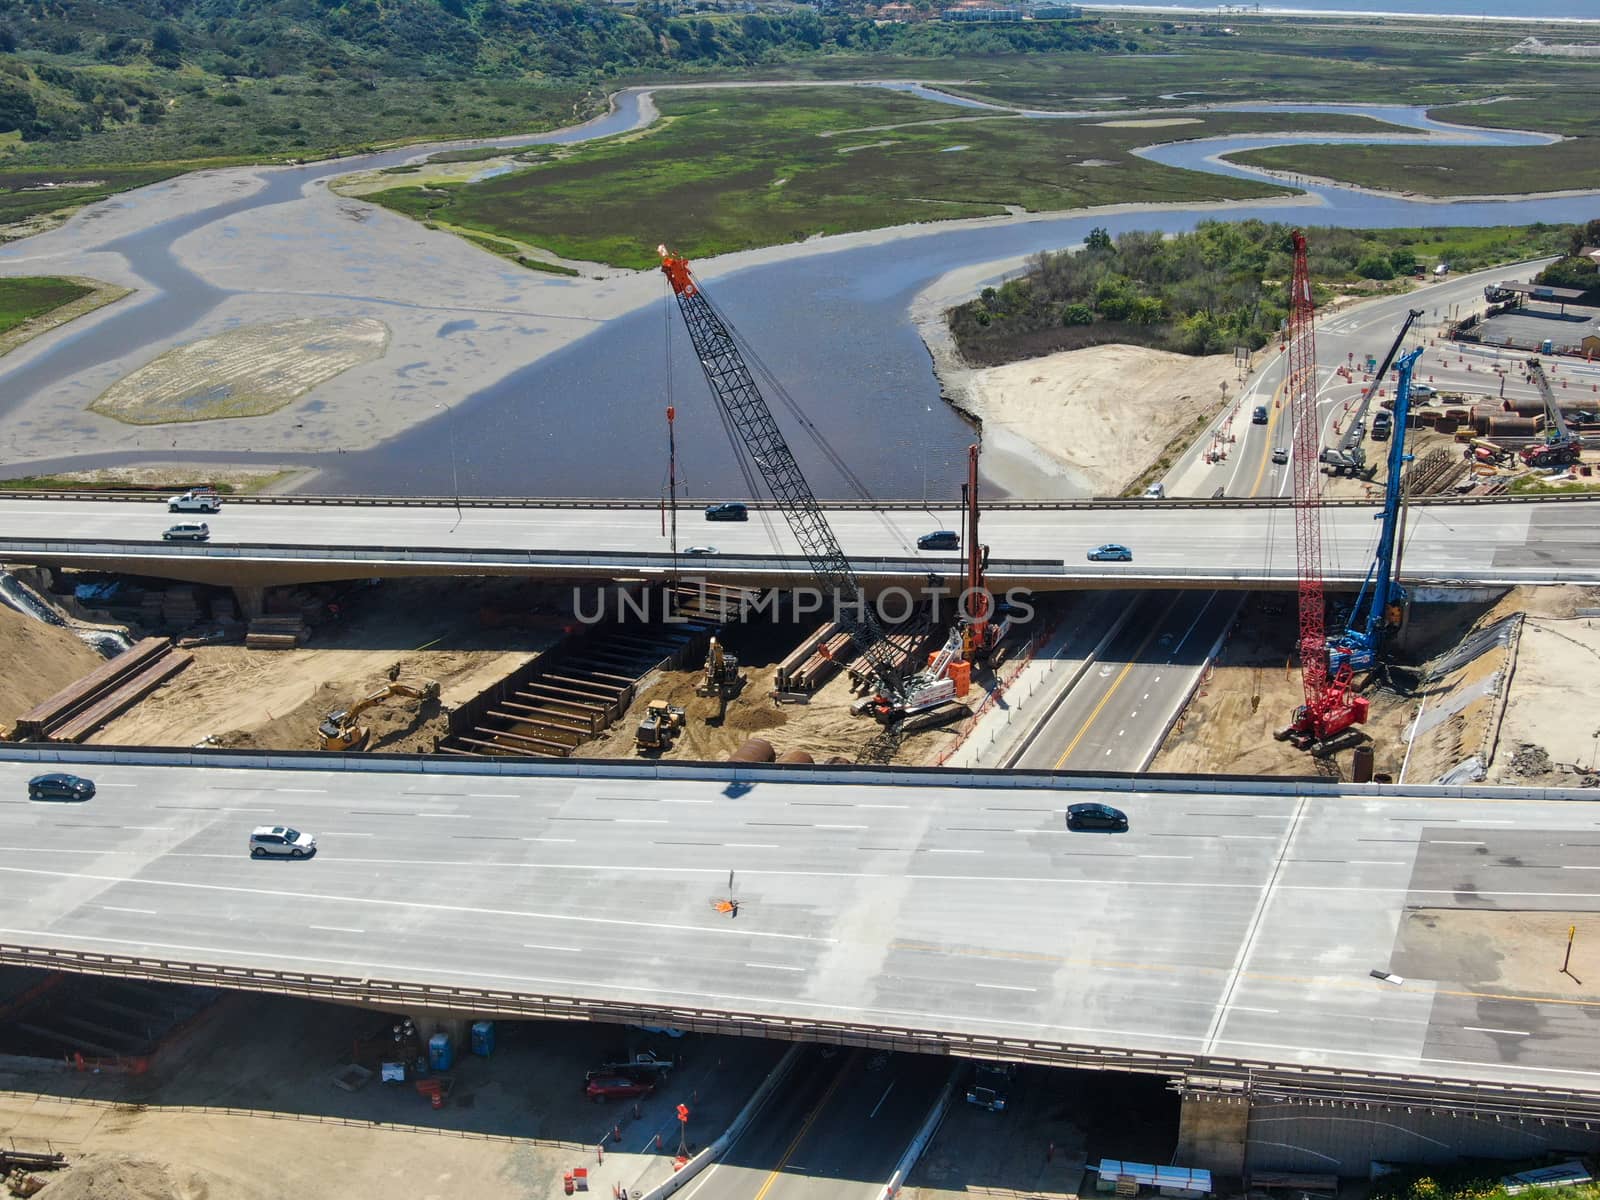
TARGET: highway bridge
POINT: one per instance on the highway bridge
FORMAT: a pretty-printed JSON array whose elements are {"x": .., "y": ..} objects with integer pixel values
[
  {"x": 1229, "y": 940},
  {"x": 1183, "y": 544}
]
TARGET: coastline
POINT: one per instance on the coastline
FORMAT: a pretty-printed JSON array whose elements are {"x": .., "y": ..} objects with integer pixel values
[{"x": 1289, "y": 11}]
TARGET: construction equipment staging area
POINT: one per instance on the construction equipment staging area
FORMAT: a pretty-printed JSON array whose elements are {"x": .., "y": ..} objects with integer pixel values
[{"x": 1238, "y": 931}]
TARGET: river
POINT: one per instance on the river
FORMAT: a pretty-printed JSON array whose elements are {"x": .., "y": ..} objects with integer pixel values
[{"x": 832, "y": 325}]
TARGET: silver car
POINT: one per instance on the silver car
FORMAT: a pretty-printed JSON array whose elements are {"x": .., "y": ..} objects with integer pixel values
[{"x": 267, "y": 840}]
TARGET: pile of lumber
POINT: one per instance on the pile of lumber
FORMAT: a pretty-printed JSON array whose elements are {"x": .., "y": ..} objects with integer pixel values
[
  {"x": 276, "y": 633},
  {"x": 113, "y": 687}
]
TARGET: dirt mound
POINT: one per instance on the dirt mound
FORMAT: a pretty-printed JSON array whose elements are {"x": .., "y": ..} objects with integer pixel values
[
  {"x": 114, "y": 1178},
  {"x": 36, "y": 662},
  {"x": 399, "y": 725}
]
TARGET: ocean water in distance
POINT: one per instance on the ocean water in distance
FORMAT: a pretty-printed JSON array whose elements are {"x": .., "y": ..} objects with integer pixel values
[{"x": 1505, "y": 10}]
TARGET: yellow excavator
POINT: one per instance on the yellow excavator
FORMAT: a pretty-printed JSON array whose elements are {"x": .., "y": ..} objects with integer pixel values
[{"x": 339, "y": 729}]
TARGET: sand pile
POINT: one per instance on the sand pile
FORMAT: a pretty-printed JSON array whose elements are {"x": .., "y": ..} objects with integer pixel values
[
  {"x": 96, "y": 1177},
  {"x": 36, "y": 662}
]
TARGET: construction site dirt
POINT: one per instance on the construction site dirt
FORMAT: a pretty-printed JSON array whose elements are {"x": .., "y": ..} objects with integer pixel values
[
  {"x": 260, "y": 1117},
  {"x": 1463, "y": 692}
]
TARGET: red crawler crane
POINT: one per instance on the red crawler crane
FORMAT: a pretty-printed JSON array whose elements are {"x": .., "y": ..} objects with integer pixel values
[{"x": 1330, "y": 707}]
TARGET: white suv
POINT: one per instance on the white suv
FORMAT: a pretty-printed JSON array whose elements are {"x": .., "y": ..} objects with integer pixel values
[{"x": 281, "y": 840}]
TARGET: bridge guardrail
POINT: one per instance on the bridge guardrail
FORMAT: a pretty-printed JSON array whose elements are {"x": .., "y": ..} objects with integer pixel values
[
  {"x": 1097, "y": 503},
  {"x": 1198, "y": 1074},
  {"x": 722, "y": 564}
]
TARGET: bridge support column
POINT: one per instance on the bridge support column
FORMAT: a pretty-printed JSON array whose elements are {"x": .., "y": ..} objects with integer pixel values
[
  {"x": 1213, "y": 1134},
  {"x": 251, "y": 600}
]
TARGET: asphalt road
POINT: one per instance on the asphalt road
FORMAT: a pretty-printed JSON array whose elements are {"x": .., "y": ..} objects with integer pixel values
[
  {"x": 835, "y": 1131},
  {"x": 1522, "y": 542},
  {"x": 1116, "y": 718},
  {"x": 1223, "y": 923}
]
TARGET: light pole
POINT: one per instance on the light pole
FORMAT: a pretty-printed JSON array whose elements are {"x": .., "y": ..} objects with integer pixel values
[{"x": 455, "y": 478}]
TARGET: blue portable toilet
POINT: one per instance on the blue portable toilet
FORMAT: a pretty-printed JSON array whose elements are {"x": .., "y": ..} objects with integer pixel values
[
  {"x": 440, "y": 1053},
  {"x": 483, "y": 1038}
]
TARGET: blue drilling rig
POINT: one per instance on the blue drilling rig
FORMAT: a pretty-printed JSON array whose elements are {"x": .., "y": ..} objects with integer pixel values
[{"x": 1380, "y": 606}]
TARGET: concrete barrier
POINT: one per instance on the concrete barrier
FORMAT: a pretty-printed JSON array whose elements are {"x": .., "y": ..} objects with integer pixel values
[
  {"x": 919, "y": 1144},
  {"x": 734, "y": 1131}
]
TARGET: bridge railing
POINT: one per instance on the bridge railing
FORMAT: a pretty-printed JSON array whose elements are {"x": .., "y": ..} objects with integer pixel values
[{"x": 728, "y": 564}]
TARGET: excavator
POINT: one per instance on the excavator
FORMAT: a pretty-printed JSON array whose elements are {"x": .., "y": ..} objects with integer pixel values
[
  {"x": 720, "y": 678},
  {"x": 339, "y": 729}
]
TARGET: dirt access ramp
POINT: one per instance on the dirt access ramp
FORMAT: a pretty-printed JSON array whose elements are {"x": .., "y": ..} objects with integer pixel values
[{"x": 1551, "y": 732}]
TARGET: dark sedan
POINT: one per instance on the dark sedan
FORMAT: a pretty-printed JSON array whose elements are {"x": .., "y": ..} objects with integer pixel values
[
  {"x": 58, "y": 785},
  {"x": 1096, "y": 816}
]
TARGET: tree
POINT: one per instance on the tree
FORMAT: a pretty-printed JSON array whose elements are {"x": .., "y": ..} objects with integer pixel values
[
  {"x": 1099, "y": 240},
  {"x": 1077, "y": 314},
  {"x": 165, "y": 39},
  {"x": 1404, "y": 261},
  {"x": 1375, "y": 266}
]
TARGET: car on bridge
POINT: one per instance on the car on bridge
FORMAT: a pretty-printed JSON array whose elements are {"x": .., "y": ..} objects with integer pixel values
[
  {"x": 196, "y": 500},
  {"x": 1280, "y": 455},
  {"x": 1096, "y": 816},
  {"x": 616, "y": 1087},
  {"x": 940, "y": 539},
  {"x": 1259, "y": 416},
  {"x": 58, "y": 785},
  {"x": 1111, "y": 552},
  {"x": 267, "y": 841},
  {"x": 730, "y": 511},
  {"x": 198, "y": 531},
  {"x": 699, "y": 551}
]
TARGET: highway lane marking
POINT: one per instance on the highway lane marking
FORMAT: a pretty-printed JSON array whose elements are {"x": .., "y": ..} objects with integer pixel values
[
  {"x": 684, "y": 800},
  {"x": 1004, "y": 987},
  {"x": 805, "y": 1128},
  {"x": 896, "y": 807},
  {"x": 1453, "y": 842},
  {"x": 642, "y": 821},
  {"x": 1155, "y": 627},
  {"x": 383, "y": 902},
  {"x": 772, "y": 967},
  {"x": 484, "y": 837},
  {"x": 940, "y": 850},
  {"x": 304, "y": 791},
  {"x": 751, "y": 845},
  {"x": 1507, "y": 1032},
  {"x": 493, "y": 795},
  {"x": 882, "y": 1098},
  {"x": 143, "y": 912},
  {"x": 1248, "y": 1008},
  {"x": 562, "y": 949},
  {"x": 563, "y": 841},
  {"x": 686, "y": 843},
  {"x": 337, "y": 928},
  {"x": 1183, "y": 856},
  {"x": 447, "y": 816}
]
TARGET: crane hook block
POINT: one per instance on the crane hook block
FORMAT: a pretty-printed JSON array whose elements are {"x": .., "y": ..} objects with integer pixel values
[{"x": 677, "y": 272}]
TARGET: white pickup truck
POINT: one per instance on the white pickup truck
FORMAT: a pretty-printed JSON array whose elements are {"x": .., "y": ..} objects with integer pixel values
[{"x": 199, "y": 500}]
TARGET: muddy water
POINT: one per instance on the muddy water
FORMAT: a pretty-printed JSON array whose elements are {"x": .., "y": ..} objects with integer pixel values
[{"x": 833, "y": 326}]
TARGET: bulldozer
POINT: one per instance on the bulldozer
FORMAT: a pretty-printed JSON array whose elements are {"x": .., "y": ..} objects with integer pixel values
[
  {"x": 339, "y": 729},
  {"x": 662, "y": 722},
  {"x": 720, "y": 678}
]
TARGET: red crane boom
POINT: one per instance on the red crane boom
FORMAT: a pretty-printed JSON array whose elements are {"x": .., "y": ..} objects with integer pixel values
[{"x": 1330, "y": 707}]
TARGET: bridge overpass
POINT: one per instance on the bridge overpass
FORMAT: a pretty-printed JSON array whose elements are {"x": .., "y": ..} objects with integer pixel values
[
  {"x": 1195, "y": 544},
  {"x": 1228, "y": 941}
]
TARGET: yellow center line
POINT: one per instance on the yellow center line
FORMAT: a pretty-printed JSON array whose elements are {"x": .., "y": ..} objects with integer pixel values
[
  {"x": 1273, "y": 414},
  {"x": 1115, "y": 684},
  {"x": 805, "y": 1127}
]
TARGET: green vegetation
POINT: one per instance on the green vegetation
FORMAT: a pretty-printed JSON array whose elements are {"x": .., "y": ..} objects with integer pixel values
[
  {"x": 1572, "y": 271},
  {"x": 64, "y": 483},
  {"x": 732, "y": 170},
  {"x": 1442, "y": 170},
  {"x": 515, "y": 254},
  {"x": 24, "y": 298},
  {"x": 1208, "y": 291},
  {"x": 1472, "y": 1181}
]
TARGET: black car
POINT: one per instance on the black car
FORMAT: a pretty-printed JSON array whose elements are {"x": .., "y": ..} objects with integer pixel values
[
  {"x": 1259, "y": 417},
  {"x": 730, "y": 511},
  {"x": 940, "y": 539},
  {"x": 58, "y": 785},
  {"x": 1095, "y": 816}
]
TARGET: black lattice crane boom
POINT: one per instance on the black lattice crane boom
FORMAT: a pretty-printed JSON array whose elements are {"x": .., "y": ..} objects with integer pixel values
[{"x": 735, "y": 389}]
